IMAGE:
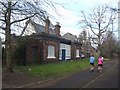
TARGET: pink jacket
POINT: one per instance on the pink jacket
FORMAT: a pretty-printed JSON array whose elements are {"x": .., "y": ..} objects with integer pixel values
[{"x": 100, "y": 61}]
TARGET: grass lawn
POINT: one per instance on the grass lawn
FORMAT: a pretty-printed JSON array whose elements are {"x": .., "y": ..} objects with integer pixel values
[{"x": 52, "y": 70}]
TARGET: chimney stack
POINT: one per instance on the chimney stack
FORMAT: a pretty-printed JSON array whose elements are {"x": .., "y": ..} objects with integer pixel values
[
  {"x": 47, "y": 23},
  {"x": 57, "y": 29}
]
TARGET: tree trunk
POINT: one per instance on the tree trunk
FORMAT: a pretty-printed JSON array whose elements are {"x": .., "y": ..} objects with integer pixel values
[
  {"x": 8, "y": 40},
  {"x": 99, "y": 44}
]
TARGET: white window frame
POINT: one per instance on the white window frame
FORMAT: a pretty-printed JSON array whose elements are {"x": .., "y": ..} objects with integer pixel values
[
  {"x": 51, "y": 51},
  {"x": 77, "y": 53}
]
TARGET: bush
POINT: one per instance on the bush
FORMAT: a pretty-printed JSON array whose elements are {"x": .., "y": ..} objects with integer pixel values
[{"x": 20, "y": 53}]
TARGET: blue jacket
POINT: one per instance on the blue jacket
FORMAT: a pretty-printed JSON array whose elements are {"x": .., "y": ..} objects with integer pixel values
[{"x": 92, "y": 59}]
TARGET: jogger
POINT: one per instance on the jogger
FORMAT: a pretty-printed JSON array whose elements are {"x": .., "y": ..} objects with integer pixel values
[
  {"x": 92, "y": 59},
  {"x": 100, "y": 63}
]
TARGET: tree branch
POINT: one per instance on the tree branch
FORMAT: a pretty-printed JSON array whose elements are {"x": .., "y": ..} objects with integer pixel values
[
  {"x": 2, "y": 28},
  {"x": 93, "y": 30},
  {"x": 87, "y": 23},
  {"x": 15, "y": 3},
  {"x": 109, "y": 22},
  {"x": 2, "y": 33},
  {"x": 2, "y": 20},
  {"x": 26, "y": 24},
  {"x": 3, "y": 4},
  {"x": 94, "y": 41},
  {"x": 23, "y": 19}
]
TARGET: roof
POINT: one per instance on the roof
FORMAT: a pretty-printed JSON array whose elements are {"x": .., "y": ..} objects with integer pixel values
[
  {"x": 41, "y": 28},
  {"x": 38, "y": 27},
  {"x": 45, "y": 36},
  {"x": 70, "y": 36}
]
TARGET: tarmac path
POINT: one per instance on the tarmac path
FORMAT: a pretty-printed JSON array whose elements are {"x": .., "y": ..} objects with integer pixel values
[{"x": 108, "y": 78}]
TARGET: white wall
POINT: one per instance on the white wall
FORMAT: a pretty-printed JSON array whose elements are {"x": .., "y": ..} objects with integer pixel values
[
  {"x": 0, "y": 51},
  {"x": 0, "y": 63},
  {"x": 29, "y": 30},
  {"x": 67, "y": 49}
]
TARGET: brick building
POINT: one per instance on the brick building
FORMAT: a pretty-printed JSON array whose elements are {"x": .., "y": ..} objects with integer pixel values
[{"x": 47, "y": 45}]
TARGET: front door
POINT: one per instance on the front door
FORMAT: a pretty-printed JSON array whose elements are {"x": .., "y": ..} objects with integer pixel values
[
  {"x": 63, "y": 54},
  {"x": 34, "y": 54}
]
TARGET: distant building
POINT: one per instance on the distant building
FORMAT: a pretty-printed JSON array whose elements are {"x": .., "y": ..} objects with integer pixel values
[
  {"x": 70, "y": 37},
  {"x": 87, "y": 49}
]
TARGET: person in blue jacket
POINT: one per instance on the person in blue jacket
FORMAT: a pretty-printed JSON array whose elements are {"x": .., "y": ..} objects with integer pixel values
[{"x": 92, "y": 60}]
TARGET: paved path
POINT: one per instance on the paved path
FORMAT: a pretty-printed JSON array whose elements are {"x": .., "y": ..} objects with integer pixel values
[{"x": 108, "y": 78}]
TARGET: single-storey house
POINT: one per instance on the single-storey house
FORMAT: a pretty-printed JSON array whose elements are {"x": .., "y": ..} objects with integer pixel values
[{"x": 47, "y": 45}]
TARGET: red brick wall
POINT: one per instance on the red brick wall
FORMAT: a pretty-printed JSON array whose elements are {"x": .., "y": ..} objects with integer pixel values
[
  {"x": 42, "y": 51},
  {"x": 29, "y": 56},
  {"x": 73, "y": 51},
  {"x": 78, "y": 47}
]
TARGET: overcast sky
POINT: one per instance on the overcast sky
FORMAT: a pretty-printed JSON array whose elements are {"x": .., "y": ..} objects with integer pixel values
[{"x": 70, "y": 13}]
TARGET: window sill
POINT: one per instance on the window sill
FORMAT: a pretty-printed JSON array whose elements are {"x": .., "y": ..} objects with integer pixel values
[{"x": 51, "y": 57}]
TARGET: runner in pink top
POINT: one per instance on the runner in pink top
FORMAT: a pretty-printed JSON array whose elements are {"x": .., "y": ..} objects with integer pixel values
[
  {"x": 100, "y": 63},
  {"x": 100, "y": 60}
]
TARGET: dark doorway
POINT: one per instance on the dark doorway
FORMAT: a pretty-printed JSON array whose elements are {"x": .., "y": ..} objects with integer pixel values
[
  {"x": 63, "y": 54},
  {"x": 34, "y": 54}
]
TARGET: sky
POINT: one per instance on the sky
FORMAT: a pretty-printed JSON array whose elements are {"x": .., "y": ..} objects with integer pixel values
[{"x": 70, "y": 14}]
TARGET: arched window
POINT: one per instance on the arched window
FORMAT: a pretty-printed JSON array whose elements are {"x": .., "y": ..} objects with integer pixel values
[{"x": 51, "y": 51}]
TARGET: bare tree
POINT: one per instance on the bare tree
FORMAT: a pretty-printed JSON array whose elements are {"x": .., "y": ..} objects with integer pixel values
[
  {"x": 85, "y": 39},
  {"x": 109, "y": 47},
  {"x": 83, "y": 36},
  {"x": 117, "y": 10},
  {"x": 13, "y": 13},
  {"x": 99, "y": 21}
]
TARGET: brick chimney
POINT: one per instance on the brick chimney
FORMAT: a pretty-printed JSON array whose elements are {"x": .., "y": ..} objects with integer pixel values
[
  {"x": 57, "y": 29},
  {"x": 47, "y": 23}
]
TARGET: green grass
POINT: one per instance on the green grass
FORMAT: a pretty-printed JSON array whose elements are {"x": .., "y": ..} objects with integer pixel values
[{"x": 45, "y": 71}]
